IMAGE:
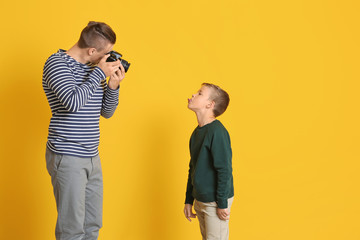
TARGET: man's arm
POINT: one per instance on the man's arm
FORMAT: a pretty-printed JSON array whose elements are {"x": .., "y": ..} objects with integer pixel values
[
  {"x": 60, "y": 79},
  {"x": 111, "y": 96}
]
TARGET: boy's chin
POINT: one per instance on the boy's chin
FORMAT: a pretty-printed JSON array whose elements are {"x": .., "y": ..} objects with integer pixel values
[{"x": 191, "y": 109}]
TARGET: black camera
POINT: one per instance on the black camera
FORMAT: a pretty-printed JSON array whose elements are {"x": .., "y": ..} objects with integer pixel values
[{"x": 114, "y": 56}]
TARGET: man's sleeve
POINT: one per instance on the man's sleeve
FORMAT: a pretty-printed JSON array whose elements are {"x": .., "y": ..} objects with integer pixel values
[
  {"x": 60, "y": 79},
  {"x": 110, "y": 101}
]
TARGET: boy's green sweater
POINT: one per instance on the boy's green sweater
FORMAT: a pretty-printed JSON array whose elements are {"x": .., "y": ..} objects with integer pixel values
[{"x": 210, "y": 174}]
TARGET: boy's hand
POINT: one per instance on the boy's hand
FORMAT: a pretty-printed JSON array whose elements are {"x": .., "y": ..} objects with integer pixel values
[
  {"x": 188, "y": 212},
  {"x": 223, "y": 214}
]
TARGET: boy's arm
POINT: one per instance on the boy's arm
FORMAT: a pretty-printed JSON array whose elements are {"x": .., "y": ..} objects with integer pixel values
[
  {"x": 189, "y": 198},
  {"x": 223, "y": 214},
  {"x": 189, "y": 188},
  {"x": 188, "y": 212},
  {"x": 222, "y": 157}
]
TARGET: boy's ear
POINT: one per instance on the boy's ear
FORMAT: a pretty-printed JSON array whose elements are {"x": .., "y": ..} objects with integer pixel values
[{"x": 211, "y": 104}]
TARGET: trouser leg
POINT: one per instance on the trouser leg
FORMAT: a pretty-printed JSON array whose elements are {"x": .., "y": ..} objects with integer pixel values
[
  {"x": 201, "y": 217},
  {"x": 94, "y": 201},
  {"x": 215, "y": 228},
  {"x": 69, "y": 176}
]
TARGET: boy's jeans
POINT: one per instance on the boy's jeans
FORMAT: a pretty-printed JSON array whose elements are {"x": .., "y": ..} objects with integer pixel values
[
  {"x": 211, "y": 226},
  {"x": 78, "y": 190}
]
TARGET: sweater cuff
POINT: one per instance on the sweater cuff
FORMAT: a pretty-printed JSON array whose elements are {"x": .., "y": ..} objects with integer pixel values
[
  {"x": 189, "y": 200},
  {"x": 222, "y": 203},
  {"x": 114, "y": 92}
]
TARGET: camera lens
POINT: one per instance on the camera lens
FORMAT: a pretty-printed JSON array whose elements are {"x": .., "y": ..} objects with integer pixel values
[
  {"x": 114, "y": 56},
  {"x": 125, "y": 64}
]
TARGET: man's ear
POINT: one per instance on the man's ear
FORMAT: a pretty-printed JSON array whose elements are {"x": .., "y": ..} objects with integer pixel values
[{"x": 91, "y": 51}]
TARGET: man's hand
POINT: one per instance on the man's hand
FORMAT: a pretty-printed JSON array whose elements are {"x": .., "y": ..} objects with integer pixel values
[
  {"x": 109, "y": 68},
  {"x": 223, "y": 214},
  {"x": 117, "y": 77},
  {"x": 188, "y": 212}
]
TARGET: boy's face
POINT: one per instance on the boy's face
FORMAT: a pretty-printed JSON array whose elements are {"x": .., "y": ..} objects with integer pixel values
[{"x": 200, "y": 100}]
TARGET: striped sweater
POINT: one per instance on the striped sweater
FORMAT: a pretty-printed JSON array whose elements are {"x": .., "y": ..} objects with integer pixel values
[{"x": 77, "y": 94}]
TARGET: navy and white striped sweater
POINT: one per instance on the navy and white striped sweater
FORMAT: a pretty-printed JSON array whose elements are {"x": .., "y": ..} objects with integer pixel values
[{"x": 78, "y": 94}]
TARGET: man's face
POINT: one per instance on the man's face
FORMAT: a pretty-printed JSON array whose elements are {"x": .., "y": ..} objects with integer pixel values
[
  {"x": 200, "y": 100},
  {"x": 96, "y": 56}
]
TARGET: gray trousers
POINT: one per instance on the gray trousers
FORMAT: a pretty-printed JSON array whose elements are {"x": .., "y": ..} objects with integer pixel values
[{"x": 78, "y": 190}]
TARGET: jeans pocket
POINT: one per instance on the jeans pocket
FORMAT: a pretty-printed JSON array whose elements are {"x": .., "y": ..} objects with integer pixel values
[
  {"x": 53, "y": 161},
  {"x": 58, "y": 160}
]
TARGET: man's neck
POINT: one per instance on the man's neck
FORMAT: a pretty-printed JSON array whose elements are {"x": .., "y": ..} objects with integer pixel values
[
  {"x": 205, "y": 118},
  {"x": 78, "y": 54}
]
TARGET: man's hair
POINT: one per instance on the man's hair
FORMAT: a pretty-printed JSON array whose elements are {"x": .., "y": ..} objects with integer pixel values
[
  {"x": 220, "y": 97},
  {"x": 94, "y": 34}
]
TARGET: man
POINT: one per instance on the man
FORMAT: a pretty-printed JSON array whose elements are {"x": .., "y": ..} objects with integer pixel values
[{"x": 75, "y": 85}]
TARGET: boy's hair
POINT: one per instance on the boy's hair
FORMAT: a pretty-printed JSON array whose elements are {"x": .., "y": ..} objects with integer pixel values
[
  {"x": 94, "y": 34},
  {"x": 220, "y": 97}
]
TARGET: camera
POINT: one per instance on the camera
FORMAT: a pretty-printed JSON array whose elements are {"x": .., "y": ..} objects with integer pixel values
[{"x": 114, "y": 56}]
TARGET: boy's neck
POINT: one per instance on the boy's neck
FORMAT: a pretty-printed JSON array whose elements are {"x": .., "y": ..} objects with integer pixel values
[{"x": 204, "y": 119}]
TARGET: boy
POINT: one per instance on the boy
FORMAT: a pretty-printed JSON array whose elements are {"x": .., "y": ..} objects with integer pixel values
[{"x": 210, "y": 180}]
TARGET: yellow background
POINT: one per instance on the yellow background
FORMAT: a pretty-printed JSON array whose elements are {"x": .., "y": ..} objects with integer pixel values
[{"x": 291, "y": 69}]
